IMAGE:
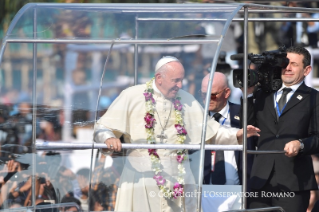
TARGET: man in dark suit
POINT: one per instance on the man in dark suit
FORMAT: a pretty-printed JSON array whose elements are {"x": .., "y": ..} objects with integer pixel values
[
  {"x": 288, "y": 120},
  {"x": 222, "y": 167}
]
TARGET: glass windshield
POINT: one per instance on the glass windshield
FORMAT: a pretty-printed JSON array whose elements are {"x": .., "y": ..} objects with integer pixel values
[{"x": 64, "y": 65}]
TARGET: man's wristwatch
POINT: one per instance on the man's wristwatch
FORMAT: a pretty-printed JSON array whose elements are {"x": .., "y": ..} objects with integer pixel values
[{"x": 302, "y": 146}]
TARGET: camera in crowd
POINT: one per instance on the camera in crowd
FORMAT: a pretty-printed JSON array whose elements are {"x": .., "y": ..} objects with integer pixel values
[{"x": 267, "y": 74}]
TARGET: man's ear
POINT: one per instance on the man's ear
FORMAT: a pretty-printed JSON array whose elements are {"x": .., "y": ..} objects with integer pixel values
[
  {"x": 307, "y": 70},
  {"x": 228, "y": 92},
  {"x": 158, "y": 78}
]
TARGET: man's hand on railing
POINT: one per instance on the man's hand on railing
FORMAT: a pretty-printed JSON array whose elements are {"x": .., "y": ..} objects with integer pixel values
[
  {"x": 113, "y": 144},
  {"x": 292, "y": 148}
]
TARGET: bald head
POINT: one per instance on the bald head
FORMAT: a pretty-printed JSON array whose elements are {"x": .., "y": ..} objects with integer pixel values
[
  {"x": 219, "y": 82},
  {"x": 220, "y": 91}
]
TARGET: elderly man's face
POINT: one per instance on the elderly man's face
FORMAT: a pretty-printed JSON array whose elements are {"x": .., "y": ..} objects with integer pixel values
[
  {"x": 171, "y": 80},
  {"x": 219, "y": 93}
]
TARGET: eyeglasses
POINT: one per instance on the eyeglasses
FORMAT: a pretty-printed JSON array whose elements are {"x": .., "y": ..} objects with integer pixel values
[{"x": 213, "y": 96}]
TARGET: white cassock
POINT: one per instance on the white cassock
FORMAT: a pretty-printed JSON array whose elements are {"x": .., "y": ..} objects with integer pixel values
[{"x": 126, "y": 117}]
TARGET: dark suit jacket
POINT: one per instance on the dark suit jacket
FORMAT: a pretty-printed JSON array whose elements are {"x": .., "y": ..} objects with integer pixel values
[
  {"x": 234, "y": 110},
  {"x": 299, "y": 120}
]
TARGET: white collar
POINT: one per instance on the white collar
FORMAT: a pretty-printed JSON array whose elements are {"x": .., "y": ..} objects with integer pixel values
[
  {"x": 157, "y": 90},
  {"x": 293, "y": 87},
  {"x": 224, "y": 111}
]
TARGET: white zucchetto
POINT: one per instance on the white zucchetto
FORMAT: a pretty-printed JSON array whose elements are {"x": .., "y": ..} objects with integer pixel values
[{"x": 164, "y": 60}]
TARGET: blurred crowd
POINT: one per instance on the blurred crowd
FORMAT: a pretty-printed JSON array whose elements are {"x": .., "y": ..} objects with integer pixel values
[{"x": 56, "y": 184}]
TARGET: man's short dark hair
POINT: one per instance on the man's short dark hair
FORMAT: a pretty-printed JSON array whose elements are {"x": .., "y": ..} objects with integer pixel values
[{"x": 301, "y": 50}]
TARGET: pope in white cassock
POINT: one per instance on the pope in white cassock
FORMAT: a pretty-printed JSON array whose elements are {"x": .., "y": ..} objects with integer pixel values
[{"x": 159, "y": 112}]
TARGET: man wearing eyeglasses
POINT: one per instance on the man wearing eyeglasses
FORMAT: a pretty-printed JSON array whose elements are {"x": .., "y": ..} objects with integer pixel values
[{"x": 222, "y": 167}]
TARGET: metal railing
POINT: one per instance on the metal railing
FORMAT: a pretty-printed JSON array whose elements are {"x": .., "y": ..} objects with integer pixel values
[{"x": 44, "y": 145}]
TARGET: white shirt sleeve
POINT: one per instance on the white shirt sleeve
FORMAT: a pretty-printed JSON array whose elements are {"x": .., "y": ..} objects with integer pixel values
[
  {"x": 101, "y": 134},
  {"x": 225, "y": 136}
]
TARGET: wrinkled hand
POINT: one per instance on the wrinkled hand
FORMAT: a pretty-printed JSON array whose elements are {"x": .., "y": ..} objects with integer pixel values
[
  {"x": 292, "y": 148},
  {"x": 113, "y": 144},
  {"x": 251, "y": 131}
]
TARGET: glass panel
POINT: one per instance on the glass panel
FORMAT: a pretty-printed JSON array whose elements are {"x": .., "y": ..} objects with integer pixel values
[
  {"x": 96, "y": 21},
  {"x": 138, "y": 189},
  {"x": 68, "y": 78},
  {"x": 59, "y": 179}
]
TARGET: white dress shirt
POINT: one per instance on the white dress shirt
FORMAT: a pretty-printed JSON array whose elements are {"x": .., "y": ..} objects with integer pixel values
[
  {"x": 231, "y": 169},
  {"x": 278, "y": 94}
]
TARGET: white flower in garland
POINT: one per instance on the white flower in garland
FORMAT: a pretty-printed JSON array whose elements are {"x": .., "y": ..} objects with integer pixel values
[
  {"x": 157, "y": 170},
  {"x": 181, "y": 137},
  {"x": 155, "y": 160},
  {"x": 180, "y": 180},
  {"x": 181, "y": 170},
  {"x": 149, "y": 107}
]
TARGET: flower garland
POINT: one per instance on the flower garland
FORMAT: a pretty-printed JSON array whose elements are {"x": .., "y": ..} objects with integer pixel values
[{"x": 181, "y": 137}]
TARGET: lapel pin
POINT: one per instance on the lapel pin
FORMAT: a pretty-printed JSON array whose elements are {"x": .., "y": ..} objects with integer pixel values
[
  {"x": 236, "y": 117},
  {"x": 299, "y": 97}
]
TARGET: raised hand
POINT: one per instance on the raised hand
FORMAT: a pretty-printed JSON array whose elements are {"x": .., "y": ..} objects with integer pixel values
[{"x": 251, "y": 131}]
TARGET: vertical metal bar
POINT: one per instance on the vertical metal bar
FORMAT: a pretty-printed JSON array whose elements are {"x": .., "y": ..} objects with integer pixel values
[
  {"x": 34, "y": 106},
  {"x": 202, "y": 146},
  {"x": 68, "y": 94},
  {"x": 3, "y": 47},
  {"x": 244, "y": 201},
  {"x": 4, "y": 44},
  {"x": 96, "y": 77},
  {"x": 136, "y": 51}
]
